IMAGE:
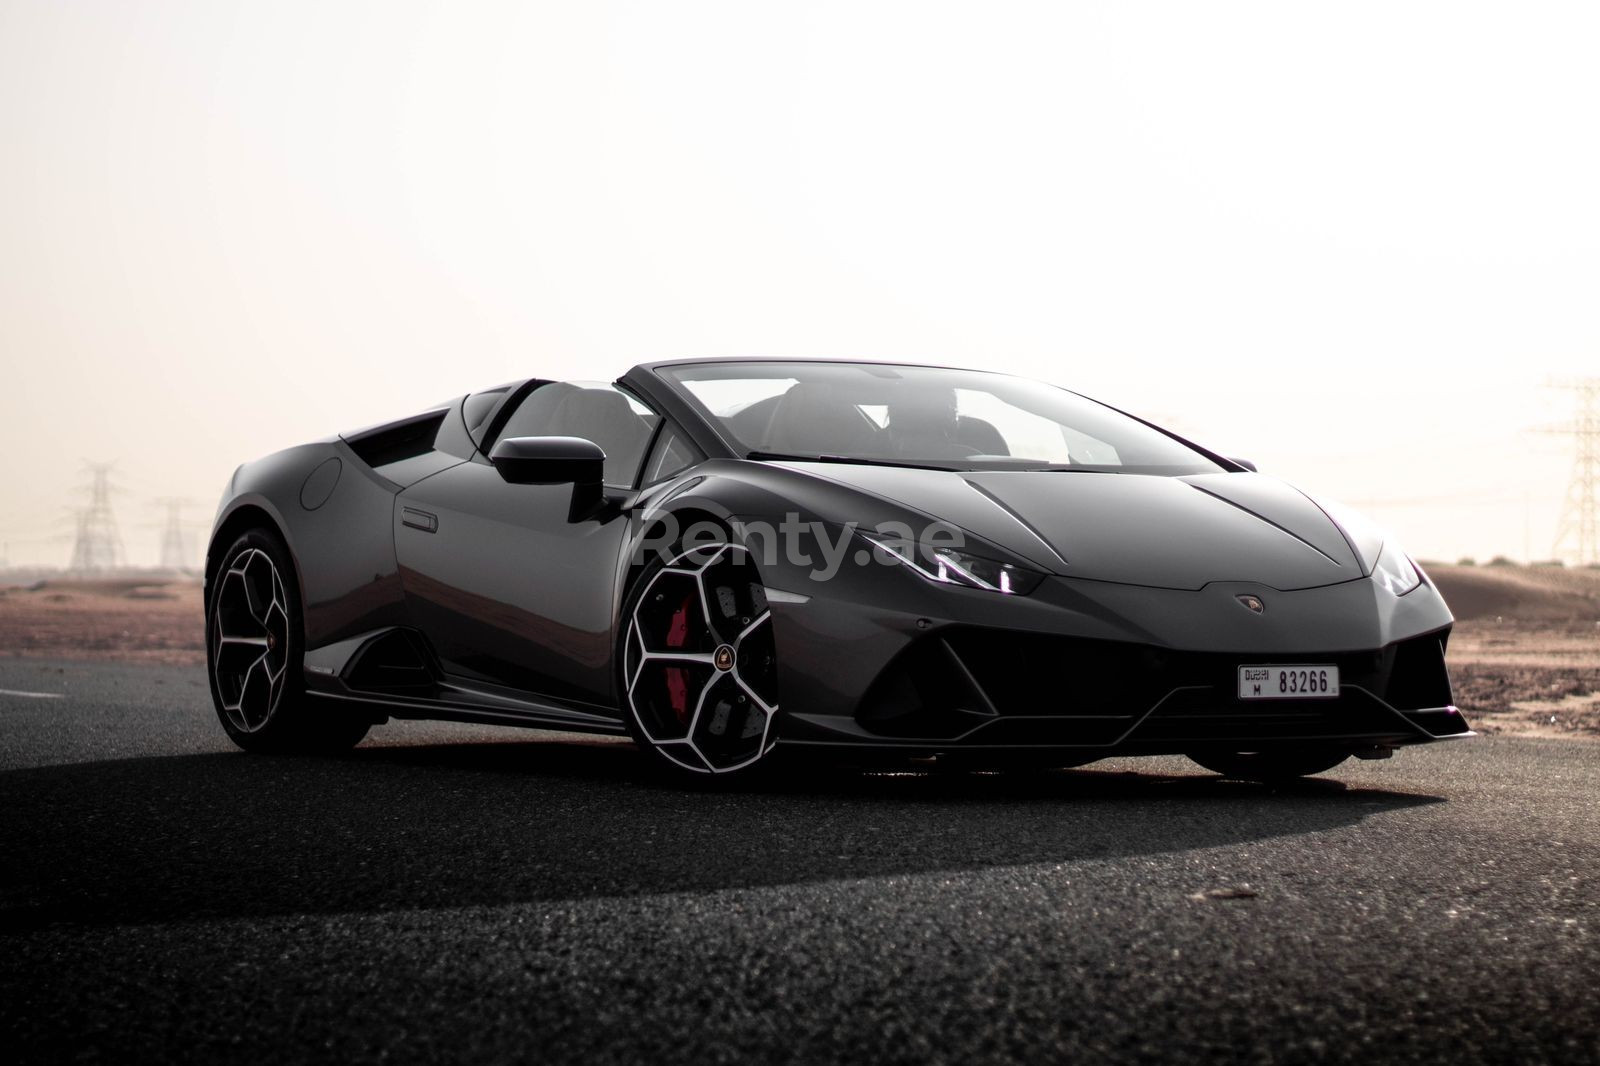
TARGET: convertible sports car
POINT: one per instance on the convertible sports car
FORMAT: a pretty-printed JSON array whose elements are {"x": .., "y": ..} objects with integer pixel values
[{"x": 877, "y": 561}]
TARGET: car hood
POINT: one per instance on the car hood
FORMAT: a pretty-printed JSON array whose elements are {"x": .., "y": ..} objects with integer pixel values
[{"x": 1163, "y": 532}]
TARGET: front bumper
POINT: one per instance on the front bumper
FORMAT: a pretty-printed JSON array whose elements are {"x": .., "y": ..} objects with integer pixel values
[{"x": 1093, "y": 666}]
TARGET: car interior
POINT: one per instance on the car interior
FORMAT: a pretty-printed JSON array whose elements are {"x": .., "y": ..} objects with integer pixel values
[{"x": 815, "y": 418}]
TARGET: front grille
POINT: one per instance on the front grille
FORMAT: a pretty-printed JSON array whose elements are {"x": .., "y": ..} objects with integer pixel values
[
  {"x": 1199, "y": 717},
  {"x": 1025, "y": 673},
  {"x": 998, "y": 687}
]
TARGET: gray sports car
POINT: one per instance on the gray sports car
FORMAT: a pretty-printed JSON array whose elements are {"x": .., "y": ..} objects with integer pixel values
[{"x": 727, "y": 559}]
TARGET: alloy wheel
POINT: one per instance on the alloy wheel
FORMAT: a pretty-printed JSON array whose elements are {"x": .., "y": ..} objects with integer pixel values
[
  {"x": 700, "y": 667},
  {"x": 250, "y": 639}
]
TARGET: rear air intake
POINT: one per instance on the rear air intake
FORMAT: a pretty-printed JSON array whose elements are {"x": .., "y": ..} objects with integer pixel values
[{"x": 395, "y": 441}]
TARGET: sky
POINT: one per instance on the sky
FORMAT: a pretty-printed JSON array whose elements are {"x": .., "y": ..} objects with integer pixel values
[{"x": 1349, "y": 242}]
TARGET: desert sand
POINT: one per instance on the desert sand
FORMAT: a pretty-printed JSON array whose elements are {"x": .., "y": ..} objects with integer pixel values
[
  {"x": 127, "y": 620},
  {"x": 1525, "y": 653}
]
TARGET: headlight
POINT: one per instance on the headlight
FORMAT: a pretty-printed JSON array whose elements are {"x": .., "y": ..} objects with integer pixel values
[
  {"x": 950, "y": 566},
  {"x": 1394, "y": 571}
]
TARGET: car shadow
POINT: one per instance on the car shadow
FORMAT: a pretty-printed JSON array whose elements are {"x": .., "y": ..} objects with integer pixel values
[{"x": 387, "y": 828}]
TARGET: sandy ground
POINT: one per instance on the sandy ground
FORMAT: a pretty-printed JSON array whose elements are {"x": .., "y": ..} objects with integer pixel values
[
  {"x": 1525, "y": 653},
  {"x": 123, "y": 621},
  {"x": 1524, "y": 657},
  {"x": 1527, "y": 678}
]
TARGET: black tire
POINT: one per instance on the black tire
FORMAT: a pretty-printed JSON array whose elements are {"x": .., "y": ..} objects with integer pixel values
[
  {"x": 255, "y": 650},
  {"x": 1277, "y": 764},
  {"x": 697, "y": 665}
]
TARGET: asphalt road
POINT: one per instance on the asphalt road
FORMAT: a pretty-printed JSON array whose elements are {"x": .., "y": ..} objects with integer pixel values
[{"x": 475, "y": 894}]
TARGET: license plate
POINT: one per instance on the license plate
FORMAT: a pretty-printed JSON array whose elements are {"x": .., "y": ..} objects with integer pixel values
[{"x": 1288, "y": 682}]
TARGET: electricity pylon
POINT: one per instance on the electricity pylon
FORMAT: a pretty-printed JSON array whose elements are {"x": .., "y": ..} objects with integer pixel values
[
  {"x": 1577, "y": 532},
  {"x": 97, "y": 546},
  {"x": 174, "y": 552}
]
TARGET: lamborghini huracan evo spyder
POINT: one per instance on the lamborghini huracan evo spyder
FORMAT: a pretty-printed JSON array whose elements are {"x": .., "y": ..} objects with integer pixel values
[{"x": 874, "y": 561}]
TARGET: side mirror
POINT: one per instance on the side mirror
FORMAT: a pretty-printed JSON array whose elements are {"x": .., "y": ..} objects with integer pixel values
[
  {"x": 1247, "y": 464},
  {"x": 555, "y": 461}
]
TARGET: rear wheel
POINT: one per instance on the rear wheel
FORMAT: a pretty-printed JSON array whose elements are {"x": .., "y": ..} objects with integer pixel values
[
  {"x": 1272, "y": 765},
  {"x": 699, "y": 668},
  {"x": 255, "y": 648}
]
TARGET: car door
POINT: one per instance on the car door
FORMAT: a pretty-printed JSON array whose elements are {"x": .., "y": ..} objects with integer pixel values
[{"x": 506, "y": 588}]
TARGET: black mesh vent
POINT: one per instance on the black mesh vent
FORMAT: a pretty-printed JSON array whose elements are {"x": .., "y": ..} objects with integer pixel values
[
  {"x": 1039, "y": 674},
  {"x": 1418, "y": 677}
]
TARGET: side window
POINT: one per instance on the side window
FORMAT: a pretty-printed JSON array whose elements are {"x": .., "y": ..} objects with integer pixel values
[
  {"x": 621, "y": 425},
  {"x": 672, "y": 454}
]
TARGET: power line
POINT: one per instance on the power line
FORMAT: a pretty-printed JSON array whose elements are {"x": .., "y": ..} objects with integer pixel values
[{"x": 1577, "y": 532}]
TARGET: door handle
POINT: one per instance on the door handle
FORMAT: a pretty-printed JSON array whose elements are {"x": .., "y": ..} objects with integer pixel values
[{"x": 428, "y": 523}]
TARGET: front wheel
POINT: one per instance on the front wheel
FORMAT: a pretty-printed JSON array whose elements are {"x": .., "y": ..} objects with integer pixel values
[
  {"x": 255, "y": 647},
  {"x": 699, "y": 667},
  {"x": 1271, "y": 765}
]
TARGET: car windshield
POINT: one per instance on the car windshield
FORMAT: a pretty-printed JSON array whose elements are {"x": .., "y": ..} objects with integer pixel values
[{"x": 924, "y": 416}]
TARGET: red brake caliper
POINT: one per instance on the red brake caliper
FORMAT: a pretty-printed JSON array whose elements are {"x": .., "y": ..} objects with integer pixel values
[{"x": 677, "y": 682}]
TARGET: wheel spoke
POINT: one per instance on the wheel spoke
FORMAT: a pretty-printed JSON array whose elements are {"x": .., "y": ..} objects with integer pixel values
[
  {"x": 684, "y": 754},
  {"x": 703, "y": 658},
  {"x": 751, "y": 628},
  {"x": 769, "y": 709},
  {"x": 257, "y": 688},
  {"x": 277, "y": 637},
  {"x": 260, "y": 584},
  {"x": 696, "y": 568},
  {"x": 705, "y": 605},
  {"x": 694, "y": 719},
  {"x": 235, "y": 617}
]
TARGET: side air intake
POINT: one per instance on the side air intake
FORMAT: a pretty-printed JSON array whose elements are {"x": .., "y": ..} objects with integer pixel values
[{"x": 396, "y": 661}]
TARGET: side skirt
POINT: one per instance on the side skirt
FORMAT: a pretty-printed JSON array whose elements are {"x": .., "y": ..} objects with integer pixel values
[
  {"x": 526, "y": 714},
  {"x": 393, "y": 672}
]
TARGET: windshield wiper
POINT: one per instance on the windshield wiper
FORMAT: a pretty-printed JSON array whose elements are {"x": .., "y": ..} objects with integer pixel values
[{"x": 785, "y": 457}]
